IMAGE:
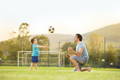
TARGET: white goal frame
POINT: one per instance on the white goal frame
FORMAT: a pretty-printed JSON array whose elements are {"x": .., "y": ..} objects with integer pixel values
[{"x": 61, "y": 57}]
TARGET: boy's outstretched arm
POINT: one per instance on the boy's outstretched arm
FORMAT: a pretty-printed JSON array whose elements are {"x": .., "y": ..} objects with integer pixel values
[{"x": 42, "y": 46}]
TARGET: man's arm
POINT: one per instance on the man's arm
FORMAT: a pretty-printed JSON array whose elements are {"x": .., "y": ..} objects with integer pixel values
[
  {"x": 73, "y": 52},
  {"x": 79, "y": 53}
]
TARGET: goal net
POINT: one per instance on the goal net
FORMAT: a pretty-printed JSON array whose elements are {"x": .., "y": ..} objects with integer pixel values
[{"x": 46, "y": 58}]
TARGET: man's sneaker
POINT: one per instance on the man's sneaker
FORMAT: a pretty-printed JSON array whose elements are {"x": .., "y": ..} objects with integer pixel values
[
  {"x": 89, "y": 69},
  {"x": 75, "y": 70}
]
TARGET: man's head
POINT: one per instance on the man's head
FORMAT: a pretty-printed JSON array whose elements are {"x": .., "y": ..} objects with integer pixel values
[
  {"x": 34, "y": 41},
  {"x": 78, "y": 37}
]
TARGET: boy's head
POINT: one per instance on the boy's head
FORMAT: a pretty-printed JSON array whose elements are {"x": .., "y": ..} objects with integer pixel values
[{"x": 34, "y": 41}]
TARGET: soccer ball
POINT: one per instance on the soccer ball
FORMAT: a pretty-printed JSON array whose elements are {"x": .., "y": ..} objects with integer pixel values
[{"x": 51, "y": 29}]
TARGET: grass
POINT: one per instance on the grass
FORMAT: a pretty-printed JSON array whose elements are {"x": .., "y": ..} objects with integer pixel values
[{"x": 57, "y": 73}]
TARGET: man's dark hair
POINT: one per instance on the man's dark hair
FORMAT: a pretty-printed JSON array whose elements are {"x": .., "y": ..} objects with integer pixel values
[
  {"x": 32, "y": 40},
  {"x": 79, "y": 36}
]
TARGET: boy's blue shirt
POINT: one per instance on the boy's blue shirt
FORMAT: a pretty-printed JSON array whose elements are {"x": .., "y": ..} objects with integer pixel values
[{"x": 35, "y": 50}]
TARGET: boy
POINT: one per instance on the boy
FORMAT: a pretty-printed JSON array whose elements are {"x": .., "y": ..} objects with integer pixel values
[{"x": 35, "y": 53}]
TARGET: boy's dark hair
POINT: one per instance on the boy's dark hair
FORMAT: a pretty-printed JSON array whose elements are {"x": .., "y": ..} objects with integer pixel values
[
  {"x": 79, "y": 36},
  {"x": 32, "y": 40}
]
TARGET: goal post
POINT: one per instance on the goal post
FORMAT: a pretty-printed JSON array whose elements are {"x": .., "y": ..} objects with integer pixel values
[{"x": 46, "y": 58}]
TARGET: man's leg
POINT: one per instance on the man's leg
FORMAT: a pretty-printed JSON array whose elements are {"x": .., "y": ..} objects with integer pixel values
[
  {"x": 75, "y": 64},
  {"x": 86, "y": 69}
]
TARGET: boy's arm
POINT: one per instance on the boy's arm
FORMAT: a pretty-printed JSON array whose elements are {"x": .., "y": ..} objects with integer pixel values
[{"x": 42, "y": 46}]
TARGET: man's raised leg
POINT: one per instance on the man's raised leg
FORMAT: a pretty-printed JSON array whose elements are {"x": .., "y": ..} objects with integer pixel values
[{"x": 75, "y": 64}]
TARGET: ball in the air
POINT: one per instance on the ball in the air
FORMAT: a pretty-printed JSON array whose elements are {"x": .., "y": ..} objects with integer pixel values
[{"x": 51, "y": 29}]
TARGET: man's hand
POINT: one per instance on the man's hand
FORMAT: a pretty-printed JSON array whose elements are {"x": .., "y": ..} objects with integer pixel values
[
  {"x": 68, "y": 56},
  {"x": 70, "y": 49},
  {"x": 71, "y": 52}
]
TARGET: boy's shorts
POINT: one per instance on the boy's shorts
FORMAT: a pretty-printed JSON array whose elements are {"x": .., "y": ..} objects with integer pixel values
[{"x": 34, "y": 59}]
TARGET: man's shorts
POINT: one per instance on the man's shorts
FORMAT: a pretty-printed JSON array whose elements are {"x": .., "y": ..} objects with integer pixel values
[
  {"x": 34, "y": 59},
  {"x": 80, "y": 60}
]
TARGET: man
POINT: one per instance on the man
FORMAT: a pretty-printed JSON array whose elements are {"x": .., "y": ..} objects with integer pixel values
[{"x": 80, "y": 56}]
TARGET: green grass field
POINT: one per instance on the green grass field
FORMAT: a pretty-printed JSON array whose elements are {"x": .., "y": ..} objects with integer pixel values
[{"x": 57, "y": 73}]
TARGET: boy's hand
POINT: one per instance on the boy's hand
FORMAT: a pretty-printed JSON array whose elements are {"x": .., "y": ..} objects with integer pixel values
[
  {"x": 46, "y": 47},
  {"x": 43, "y": 47}
]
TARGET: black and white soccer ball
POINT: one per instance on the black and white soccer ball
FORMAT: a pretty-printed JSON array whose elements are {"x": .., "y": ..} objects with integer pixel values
[{"x": 51, "y": 29}]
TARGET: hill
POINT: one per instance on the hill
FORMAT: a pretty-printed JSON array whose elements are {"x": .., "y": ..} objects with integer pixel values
[{"x": 110, "y": 32}]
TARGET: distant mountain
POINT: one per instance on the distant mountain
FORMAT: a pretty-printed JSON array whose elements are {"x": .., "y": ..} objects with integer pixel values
[
  {"x": 110, "y": 32},
  {"x": 57, "y": 40}
]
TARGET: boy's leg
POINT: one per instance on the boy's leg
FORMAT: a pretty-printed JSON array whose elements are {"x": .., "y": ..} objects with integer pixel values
[
  {"x": 32, "y": 66},
  {"x": 36, "y": 63},
  {"x": 36, "y": 66}
]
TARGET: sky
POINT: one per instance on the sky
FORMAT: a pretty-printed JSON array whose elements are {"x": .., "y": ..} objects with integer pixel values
[{"x": 66, "y": 16}]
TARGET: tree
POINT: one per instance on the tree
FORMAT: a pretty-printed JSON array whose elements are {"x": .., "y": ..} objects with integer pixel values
[
  {"x": 95, "y": 44},
  {"x": 23, "y": 35},
  {"x": 110, "y": 56}
]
